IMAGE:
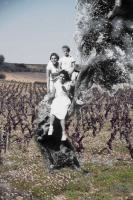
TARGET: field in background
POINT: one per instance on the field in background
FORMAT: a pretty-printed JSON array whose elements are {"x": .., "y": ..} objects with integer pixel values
[{"x": 26, "y": 76}]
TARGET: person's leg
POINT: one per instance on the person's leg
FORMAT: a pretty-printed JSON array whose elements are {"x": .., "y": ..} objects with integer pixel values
[
  {"x": 52, "y": 118},
  {"x": 64, "y": 136}
]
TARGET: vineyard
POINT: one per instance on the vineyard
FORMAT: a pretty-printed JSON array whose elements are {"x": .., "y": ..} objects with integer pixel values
[
  {"x": 96, "y": 128},
  {"x": 18, "y": 103},
  {"x": 18, "y": 114},
  {"x": 101, "y": 109}
]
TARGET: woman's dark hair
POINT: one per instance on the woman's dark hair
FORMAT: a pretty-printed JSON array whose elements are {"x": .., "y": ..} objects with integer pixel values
[
  {"x": 67, "y": 77},
  {"x": 66, "y": 47},
  {"x": 54, "y": 54}
]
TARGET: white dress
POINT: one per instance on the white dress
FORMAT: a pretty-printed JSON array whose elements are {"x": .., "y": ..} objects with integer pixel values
[
  {"x": 53, "y": 69},
  {"x": 61, "y": 102}
]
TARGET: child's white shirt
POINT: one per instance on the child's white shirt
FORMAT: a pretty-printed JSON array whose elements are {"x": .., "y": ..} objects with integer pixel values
[{"x": 66, "y": 63}]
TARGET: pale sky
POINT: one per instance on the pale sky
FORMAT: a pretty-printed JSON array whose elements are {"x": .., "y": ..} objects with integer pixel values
[{"x": 30, "y": 30}]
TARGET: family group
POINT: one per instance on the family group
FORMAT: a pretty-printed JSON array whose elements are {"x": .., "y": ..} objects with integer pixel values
[{"x": 61, "y": 77}]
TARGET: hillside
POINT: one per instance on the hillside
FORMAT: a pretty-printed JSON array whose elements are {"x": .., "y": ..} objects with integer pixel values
[{"x": 21, "y": 67}]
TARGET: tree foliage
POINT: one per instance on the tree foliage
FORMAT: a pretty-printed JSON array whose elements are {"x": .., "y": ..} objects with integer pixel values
[
  {"x": 2, "y": 59},
  {"x": 110, "y": 37}
]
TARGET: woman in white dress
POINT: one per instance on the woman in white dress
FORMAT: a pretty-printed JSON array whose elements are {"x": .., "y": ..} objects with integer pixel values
[
  {"x": 61, "y": 102},
  {"x": 52, "y": 71}
]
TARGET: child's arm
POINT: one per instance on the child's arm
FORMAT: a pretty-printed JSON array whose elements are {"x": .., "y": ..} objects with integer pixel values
[{"x": 72, "y": 67}]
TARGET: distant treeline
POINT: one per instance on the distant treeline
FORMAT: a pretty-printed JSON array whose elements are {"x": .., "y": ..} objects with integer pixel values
[{"x": 21, "y": 67}]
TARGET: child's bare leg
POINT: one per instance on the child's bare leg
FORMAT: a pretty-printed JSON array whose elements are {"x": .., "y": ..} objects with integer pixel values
[
  {"x": 64, "y": 136},
  {"x": 52, "y": 118}
]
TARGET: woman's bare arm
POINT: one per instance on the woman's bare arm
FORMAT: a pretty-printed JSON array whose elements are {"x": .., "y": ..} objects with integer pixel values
[
  {"x": 52, "y": 94},
  {"x": 48, "y": 80}
]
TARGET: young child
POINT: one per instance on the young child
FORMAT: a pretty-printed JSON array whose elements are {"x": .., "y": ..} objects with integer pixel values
[{"x": 67, "y": 62}]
